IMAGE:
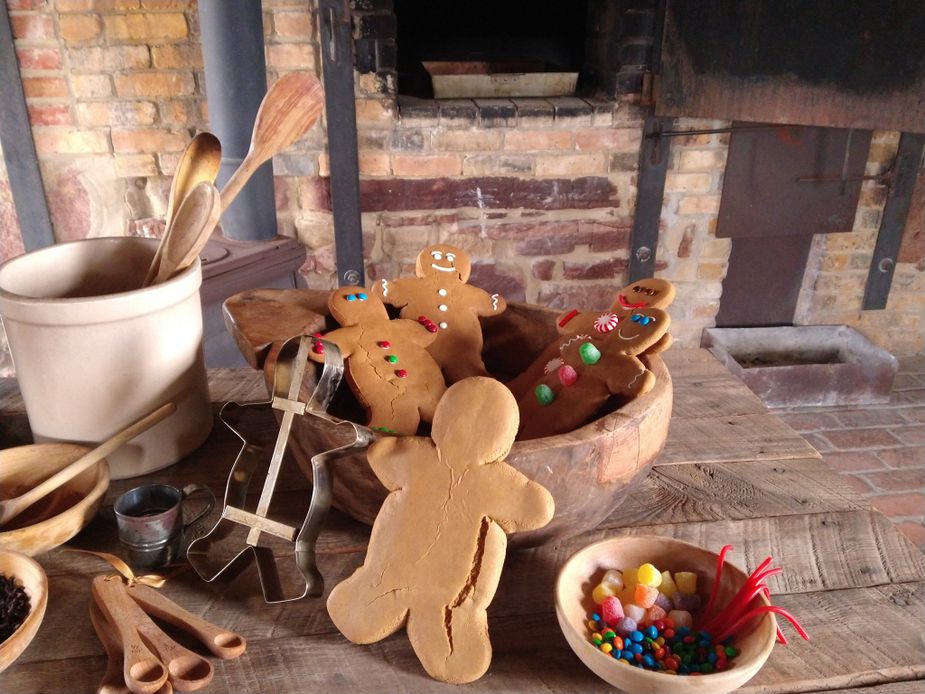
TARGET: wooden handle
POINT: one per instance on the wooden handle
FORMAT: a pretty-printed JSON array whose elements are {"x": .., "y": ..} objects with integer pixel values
[
  {"x": 143, "y": 672},
  {"x": 13, "y": 507},
  {"x": 112, "y": 682},
  {"x": 290, "y": 107},
  {"x": 223, "y": 643},
  {"x": 193, "y": 225}
]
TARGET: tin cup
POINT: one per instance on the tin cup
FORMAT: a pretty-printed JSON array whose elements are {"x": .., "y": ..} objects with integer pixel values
[{"x": 151, "y": 524}]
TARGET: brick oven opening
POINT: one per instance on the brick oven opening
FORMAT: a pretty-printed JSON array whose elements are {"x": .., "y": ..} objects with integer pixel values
[{"x": 517, "y": 35}]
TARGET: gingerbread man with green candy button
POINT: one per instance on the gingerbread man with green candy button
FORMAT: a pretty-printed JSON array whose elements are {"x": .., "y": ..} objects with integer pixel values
[
  {"x": 644, "y": 293},
  {"x": 386, "y": 361},
  {"x": 439, "y": 291},
  {"x": 598, "y": 360}
]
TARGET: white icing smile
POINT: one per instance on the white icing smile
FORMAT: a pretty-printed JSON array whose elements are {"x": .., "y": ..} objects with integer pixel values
[
  {"x": 441, "y": 268},
  {"x": 624, "y": 337}
]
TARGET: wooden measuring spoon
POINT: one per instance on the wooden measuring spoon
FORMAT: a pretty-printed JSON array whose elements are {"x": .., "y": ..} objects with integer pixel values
[
  {"x": 200, "y": 162},
  {"x": 289, "y": 108},
  {"x": 113, "y": 682},
  {"x": 223, "y": 643},
  {"x": 142, "y": 671},
  {"x": 10, "y": 508},
  {"x": 190, "y": 230}
]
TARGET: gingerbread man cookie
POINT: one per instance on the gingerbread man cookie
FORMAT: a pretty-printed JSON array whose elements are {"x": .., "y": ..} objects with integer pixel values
[
  {"x": 438, "y": 544},
  {"x": 386, "y": 361},
  {"x": 598, "y": 361},
  {"x": 440, "y": 292},
  {"x": 646, "y": 293}
]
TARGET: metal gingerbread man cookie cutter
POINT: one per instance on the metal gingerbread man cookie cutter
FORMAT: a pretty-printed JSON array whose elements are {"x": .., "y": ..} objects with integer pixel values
[{"x": 209, "y": 555}]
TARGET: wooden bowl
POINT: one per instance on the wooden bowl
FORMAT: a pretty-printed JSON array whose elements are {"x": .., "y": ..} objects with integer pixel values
[
  {"x": 589, "y": 471},
  {"x": 584, "y": 570},
  {"x": 54, "y": 520},
  {"x": 27, "y": 573}
]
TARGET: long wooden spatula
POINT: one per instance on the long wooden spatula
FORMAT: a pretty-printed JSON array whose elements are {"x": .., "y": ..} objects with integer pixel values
[{"x": 289, "y": 108}]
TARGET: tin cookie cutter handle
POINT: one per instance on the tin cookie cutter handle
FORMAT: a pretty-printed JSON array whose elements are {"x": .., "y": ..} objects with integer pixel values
[{"x": 205, "y": 553}]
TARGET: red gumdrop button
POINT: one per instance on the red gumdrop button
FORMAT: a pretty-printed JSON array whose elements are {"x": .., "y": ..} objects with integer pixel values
[
  {"x": 385, "y": 344},
  {"x": 401, "y": 373},
  {"x": 318, "y": 348},
  {"x": 567, "y": 375},
  {"x": 431, "y": 328}
]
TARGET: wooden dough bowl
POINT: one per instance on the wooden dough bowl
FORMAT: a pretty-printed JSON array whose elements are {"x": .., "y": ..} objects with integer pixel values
[{"x": 589, "y": 471}]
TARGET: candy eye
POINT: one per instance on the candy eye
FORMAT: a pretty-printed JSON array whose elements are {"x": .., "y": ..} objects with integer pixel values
[
  {"x": 351, "y": 297},
  {"x": 361, "y": 296},
  {"x": 436, "y": 255},
  {"x": 641, "y": 319},
  {"x": 637, "y": 288},
  {"x": 451, "y": 257}
]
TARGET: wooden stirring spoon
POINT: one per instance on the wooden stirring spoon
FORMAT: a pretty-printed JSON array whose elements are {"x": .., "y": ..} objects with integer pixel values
[
  {"x": 10, "y": 508},
  {"x": 200, "y": 162},
  {"x": 190, "y": 230},
  {"x": 289, "y": 108}
]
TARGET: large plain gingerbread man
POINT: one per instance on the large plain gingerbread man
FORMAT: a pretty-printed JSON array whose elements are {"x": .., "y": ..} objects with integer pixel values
[
  {"x": 587, "y": 368},
  {"x": 439, "y": 291},
  {"x": 386, "y": 361},
  {"x": 438, "y": 544}
]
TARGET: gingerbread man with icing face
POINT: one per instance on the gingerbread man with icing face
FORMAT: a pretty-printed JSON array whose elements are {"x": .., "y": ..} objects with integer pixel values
[
  {"x": 386, "y": 361},
  {"x": 438, "y": 544},
  {"x": 645, "y": 293},
  {"x": 439, "y": 291},
  {"x": 597, "y": 360}
]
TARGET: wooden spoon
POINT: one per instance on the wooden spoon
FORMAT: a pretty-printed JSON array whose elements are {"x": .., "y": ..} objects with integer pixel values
[
  {"x": 290, "y": 107},
  {"x": 10, "y": 508},
  {"x": 142, "y": 670},
  {"x": 113, "y": 682},
  {"x": 223, "y": 643},
  {"x": 190, "y": 230},
  {"x": 200, "y": 162}
]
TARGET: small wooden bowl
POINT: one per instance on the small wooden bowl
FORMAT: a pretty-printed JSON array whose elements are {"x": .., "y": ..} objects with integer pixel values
[
  {"x": 27, "y": 573},
  {"x": 584, "y": 570},
  {"x": 54, "y": 520}
]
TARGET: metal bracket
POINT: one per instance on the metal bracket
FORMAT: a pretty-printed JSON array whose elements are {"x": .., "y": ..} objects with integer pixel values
[
  {"x": 889, "y": 238},
  {"x": 340, "y": 109},
  {"x": 650, "y": 190}
]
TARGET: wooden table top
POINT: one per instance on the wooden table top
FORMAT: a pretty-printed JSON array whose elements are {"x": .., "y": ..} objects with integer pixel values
[{"x": 731, "y": 473}]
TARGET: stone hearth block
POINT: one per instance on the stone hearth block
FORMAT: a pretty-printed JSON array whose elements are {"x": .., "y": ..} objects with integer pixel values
[{"x": 805, "y": 365}]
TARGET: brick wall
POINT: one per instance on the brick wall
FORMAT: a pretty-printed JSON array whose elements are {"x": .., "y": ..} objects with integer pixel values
[
  {"x": 836, "y": 271},
  {"x": 541, "y": 192}
]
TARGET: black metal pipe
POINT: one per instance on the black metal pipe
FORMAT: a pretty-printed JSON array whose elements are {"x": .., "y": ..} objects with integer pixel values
[
  {"x": 236, "y": 81},
  {"x": 22, "y": 164}
]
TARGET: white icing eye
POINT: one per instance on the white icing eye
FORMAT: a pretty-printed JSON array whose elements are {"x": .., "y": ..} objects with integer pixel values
[
  {"x": 451, "y": 257},
  {"x": 436, "y": 255}
]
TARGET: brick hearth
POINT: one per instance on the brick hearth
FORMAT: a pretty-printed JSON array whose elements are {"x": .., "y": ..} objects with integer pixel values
[{"x": 879, "y": 449}]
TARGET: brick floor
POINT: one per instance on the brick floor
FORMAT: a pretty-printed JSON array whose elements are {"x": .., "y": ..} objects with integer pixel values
[{"x": 880, "y": 449}]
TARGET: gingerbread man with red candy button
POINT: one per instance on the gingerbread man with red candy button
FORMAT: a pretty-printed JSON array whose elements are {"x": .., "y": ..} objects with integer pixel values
[
  {"x": 642, "y": 294},
  {"x": 439, "y": 291},
  {"x": 597, "y": 361},
  {"x": 387, "y": 364}
]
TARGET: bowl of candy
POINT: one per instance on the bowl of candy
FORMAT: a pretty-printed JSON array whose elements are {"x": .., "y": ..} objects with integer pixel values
[
  {"x": 23, "y": 596},
  {"x": 657, "y": 615}
]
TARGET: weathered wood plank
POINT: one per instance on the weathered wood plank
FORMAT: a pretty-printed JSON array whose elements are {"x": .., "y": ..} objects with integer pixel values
[
  {"x": 847, "y": 649},
  {"x": 683, "y": 492},
  {"x": 916, "y": 686},
  {"x": 844, "y": 550},
  {"x": 710, "y": 439}
]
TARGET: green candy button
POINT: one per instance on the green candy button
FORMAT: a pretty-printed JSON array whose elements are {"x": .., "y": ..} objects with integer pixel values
[
  {"x": 544, "y": 394},
  {"x": 391, "y": 358},
  {"x": 589, "y": 353}
]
